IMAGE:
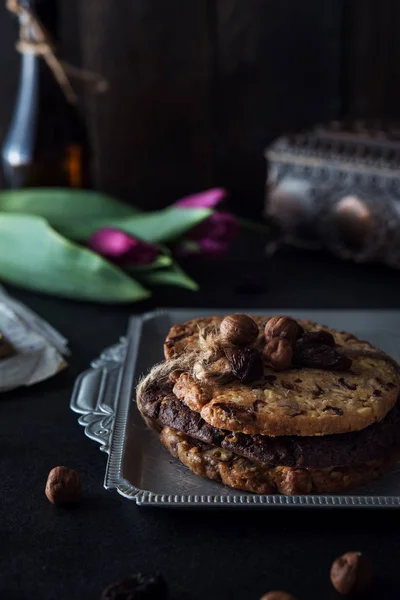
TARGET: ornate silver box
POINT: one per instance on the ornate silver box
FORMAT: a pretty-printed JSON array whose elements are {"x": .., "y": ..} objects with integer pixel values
[{"x": 339, "y": 189}]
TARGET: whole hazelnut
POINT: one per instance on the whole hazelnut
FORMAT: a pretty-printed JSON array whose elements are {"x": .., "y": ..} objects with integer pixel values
[
  {"x": 277, "y": 595},
  {"x": 282, "y": 327},
  {"x": 351, "y": 573},
  {"x": 63, "y": 486},
  {"x": 238, "y": 330},
  {"x": 278, "y": 354}
]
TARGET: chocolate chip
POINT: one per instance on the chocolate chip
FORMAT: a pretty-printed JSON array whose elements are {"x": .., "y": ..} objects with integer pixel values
[
  {"x": 235, "y": 411},
  {"x": 320, "y": 356},
  {"x": 298, "y": 380},
  {"x": 335, "y": 409},
  {"x": 318, "y": 337},
  {"x": 257, "y": 404},
  {"x": 377, "y": 393},
  {"x": 380, "y": 381},
  {"x": 287, "y": 385},
  {"x": 292, "y": 406},
  {"x": 246, "y": 363},
  {"x": 390, "y": 385},
  {"x": 318, "y": 392},
  {"x": 344, "y": 383}
]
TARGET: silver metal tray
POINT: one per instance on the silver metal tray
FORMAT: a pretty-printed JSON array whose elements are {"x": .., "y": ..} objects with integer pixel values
[{"x": 142, "y": 470}]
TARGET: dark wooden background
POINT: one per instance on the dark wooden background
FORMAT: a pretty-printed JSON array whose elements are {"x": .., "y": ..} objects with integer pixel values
[{"x": 198, "y": 89}]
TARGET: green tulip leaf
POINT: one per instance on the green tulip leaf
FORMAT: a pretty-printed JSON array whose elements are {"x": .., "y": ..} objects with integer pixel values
[
  {"x": 160, "y": 262},
  {"x": 63, "y": 208},
  {"x": 174, "y": 275},
  {"x": 158, "y": 226},
  {"x": 34, "y": 256}
]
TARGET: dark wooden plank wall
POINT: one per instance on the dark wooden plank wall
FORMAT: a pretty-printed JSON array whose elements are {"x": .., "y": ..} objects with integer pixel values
[
  {"x": 152, "y": 131},
  {"x": 199, "y": 87},
  {"x": 372, "y": 66},
  {"x": 273, "y": 76}
]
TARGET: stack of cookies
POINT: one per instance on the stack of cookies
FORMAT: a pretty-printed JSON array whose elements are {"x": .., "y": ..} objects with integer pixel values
[{"x": 274, "y": 405}]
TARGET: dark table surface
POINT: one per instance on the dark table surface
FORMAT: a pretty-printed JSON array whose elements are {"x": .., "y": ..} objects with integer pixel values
[{"x": 48, "y": 552}]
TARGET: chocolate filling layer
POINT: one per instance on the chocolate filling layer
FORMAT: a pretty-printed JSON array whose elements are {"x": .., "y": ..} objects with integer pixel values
[{"x": 342, "y": 449}]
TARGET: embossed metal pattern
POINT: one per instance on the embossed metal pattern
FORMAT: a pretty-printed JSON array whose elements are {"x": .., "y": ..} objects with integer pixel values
[
  {"x": 140, "y": 469},
  {"x": 311, "y": 174},
  {"x": 95, "y": 394}
]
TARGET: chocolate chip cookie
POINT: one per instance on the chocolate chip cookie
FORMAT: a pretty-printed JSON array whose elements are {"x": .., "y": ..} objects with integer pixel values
[
  {"x": 270, "y": 404},
  {"x": 243, "y": 474},
  {"x": 299, "y": 401},
  {"x": 163, "y": 409}
]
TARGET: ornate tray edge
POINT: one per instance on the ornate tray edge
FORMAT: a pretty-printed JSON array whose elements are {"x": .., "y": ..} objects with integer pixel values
[
  {"x": 89, "y": 395},
  {"x": 276, "y": 501},
  {"x": 113, "y": 477},
  {"x": 103, "y": 418}
]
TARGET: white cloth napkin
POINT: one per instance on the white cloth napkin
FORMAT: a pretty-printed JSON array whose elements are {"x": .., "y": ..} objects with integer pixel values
[{"x": 40, "y": 348}]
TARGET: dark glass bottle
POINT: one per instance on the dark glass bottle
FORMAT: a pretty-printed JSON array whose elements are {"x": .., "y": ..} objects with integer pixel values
[{"x": 47, "y": 143}]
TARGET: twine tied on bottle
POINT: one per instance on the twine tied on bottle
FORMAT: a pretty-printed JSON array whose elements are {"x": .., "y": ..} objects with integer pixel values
[{"x": 35, "y": 39}]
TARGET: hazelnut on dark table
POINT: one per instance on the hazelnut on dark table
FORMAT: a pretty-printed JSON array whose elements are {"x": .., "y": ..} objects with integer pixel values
[
  {"x": 351, "y": 573},
  {"x": 63, "y": 486},
  {"x": 238, "y": 330}
]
